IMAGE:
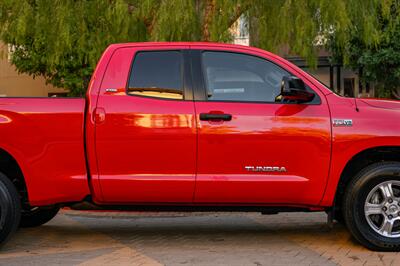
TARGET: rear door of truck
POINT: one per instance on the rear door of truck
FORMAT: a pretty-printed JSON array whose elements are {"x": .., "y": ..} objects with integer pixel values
[{"x": 145, "y": 130}]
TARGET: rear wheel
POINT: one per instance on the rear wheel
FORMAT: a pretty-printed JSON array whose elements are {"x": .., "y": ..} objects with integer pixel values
[
  {"x": 38, "y": 216},
  {"x": 10, "y": 209},
  {"x": 371, "y": 207}
]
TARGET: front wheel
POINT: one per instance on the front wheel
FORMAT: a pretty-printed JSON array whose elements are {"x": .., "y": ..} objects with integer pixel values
[
  {"x": 371, "y": 207},
  {"x": 38, "y": 216}
]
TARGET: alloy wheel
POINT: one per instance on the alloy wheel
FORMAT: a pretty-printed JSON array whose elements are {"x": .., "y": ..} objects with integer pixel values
[{"x": 382, "y": 209}]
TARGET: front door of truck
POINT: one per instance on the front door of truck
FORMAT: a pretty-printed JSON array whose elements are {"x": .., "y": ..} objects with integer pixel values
[
  {"x": 145, "y": 128},
  {"x": 253, "y": 149}
]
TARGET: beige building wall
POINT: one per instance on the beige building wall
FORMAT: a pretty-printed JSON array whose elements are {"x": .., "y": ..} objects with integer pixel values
[{"x": 13, "y": 84}]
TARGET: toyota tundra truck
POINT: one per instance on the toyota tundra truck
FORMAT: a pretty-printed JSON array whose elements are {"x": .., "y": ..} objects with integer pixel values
[{"x": 203, "y": 127}]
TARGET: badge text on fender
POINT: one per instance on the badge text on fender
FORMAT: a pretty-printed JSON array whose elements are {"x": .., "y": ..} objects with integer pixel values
[
  {"x": 342, "y": 122},
  {"x": 265, "y": 168}
]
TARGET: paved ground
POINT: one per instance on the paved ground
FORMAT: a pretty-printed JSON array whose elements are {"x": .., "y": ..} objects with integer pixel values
[{"x": 189, "y": 239}]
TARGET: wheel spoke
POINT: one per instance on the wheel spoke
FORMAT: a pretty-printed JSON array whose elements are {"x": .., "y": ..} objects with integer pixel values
[
  {"x": 387, "y": 190},
  {"x": 371, "y": 208},
  {"x": 387, "y": 227}
]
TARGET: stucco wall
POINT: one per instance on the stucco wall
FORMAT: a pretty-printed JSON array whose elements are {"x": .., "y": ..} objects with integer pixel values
[{"x": 14, "y": 84}]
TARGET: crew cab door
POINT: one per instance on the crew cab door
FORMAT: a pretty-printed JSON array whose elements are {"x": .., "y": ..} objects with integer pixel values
[
  {"x": 145, "y": 127},
  {"x": 251, "y": 148}
]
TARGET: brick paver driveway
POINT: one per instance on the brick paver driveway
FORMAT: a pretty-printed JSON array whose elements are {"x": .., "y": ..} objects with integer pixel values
[{"x": 188, "y": 239}]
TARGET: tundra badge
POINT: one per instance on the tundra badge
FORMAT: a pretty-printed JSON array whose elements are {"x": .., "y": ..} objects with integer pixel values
[{"x": 265, "y": 168}]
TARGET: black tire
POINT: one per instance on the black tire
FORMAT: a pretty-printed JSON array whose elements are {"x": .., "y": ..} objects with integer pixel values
[
  {"x": 38, "y": 216},
  {"x": 355, "y": 197},
  {"x": 10, "y": 209}
]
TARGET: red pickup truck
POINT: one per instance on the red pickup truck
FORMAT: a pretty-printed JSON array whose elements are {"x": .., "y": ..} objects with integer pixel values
[{"x": 203, "y": 127}]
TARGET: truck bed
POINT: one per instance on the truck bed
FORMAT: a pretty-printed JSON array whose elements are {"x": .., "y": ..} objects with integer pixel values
[{"x": 46, "y": 137}]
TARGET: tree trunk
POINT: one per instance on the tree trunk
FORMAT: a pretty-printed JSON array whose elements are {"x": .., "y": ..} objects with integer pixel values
[{"x": 208, "y": 16}]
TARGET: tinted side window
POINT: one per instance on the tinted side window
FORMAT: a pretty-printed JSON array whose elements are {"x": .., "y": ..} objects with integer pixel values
[
  {"x": 157, "y": 74},
  {"x": 239, "y": 77}
]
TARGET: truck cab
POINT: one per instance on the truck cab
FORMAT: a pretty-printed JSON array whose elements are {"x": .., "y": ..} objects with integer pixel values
[{"x": 196, "y": 124}]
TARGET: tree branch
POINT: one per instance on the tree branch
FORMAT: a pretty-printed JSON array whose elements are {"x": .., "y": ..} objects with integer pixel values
[
  {"x": 239, "y": 10},
  {"x": 149, "y": 20}
]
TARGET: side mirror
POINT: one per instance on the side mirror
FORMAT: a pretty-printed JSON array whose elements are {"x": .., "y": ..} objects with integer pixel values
[{"x": 294, "y": 90}]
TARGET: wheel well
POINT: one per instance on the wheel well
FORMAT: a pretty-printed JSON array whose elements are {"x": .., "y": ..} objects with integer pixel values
[
  {"x": 359, "y": 162},
  {"x": 10, "y": 167}
]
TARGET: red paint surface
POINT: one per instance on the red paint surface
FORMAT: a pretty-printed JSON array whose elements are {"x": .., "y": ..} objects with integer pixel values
[
  {"x": 148, "y": 150},
  {"x": 45, "y": 136}
]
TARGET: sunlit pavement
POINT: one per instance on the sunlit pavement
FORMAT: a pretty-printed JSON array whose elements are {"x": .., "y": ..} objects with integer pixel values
[{"x": 76, "y": 238}]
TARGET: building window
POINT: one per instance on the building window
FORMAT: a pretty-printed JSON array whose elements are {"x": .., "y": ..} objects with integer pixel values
[{"x": 349, "y": 87}]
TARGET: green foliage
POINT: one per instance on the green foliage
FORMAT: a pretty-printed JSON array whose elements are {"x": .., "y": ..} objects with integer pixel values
[
  {"x": 63, "y": 39},
  {"x": 380, "y": 63}
]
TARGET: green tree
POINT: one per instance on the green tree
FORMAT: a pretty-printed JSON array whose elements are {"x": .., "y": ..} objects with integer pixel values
[
  {"x": 380, "y": 63},
  {"x": 63, "y": 39}
]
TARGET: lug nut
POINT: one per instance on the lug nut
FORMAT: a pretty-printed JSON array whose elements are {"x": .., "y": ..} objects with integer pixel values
[
  {"x": 384, "y": 209},
  {"x": 390, "y": 217},
  {"x": 390, "y": 200}
]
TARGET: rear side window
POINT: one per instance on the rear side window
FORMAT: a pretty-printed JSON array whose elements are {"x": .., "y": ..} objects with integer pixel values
[
  {"x": 157, "y": 74},
  {"x": 240, "y": 77}
]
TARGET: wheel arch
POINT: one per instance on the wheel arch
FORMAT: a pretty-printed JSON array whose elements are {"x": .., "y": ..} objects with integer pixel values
[
  {"x": 360, "y": 161},
  {"x": 10, "y": 167}
]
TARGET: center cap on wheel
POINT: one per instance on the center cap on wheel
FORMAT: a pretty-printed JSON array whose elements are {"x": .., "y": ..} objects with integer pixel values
[{"x": 393, "y": 208}]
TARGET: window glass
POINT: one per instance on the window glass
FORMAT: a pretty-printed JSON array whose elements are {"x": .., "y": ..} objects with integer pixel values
[
  {"x": 239, "y": 77},
  {"x": 157, "y": 74}
]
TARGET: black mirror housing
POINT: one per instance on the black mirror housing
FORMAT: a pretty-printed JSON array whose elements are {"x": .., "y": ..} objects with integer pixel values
[{"x": 293, "y": 89}]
